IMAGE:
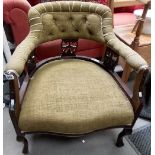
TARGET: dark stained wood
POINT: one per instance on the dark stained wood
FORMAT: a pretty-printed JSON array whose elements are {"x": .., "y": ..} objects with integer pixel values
[
  {"x": 25, "y": 142},
  {"x": 137, "y": 91},
  {"x": 123, "y": 86},
  {"x": 103, "y": 53},
  {"x": 14, "y": 95},
  {"x": 31, "y": 63},
  {"x": 15, "y": 122},
  {"x": 20, "y": 135},
  {"x": 23, "y": 88},
  {"x": 126, "y": 131},
  {"x": 110, "y": 59},
  {"x": 69, "y": 47}
]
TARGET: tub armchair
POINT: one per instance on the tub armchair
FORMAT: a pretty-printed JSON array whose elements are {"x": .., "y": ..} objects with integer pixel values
[{"x": 72, "y": 95}]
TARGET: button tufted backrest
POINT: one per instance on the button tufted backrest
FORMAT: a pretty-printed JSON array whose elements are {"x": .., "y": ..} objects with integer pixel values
[{"x": 70, "y": 19}]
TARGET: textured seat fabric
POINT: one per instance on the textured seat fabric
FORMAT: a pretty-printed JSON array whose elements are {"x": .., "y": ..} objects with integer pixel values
[{"x": 73, "y": 97}]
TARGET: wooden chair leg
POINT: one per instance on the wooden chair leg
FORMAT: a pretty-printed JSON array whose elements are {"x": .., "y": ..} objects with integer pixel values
[
  {"x": 20, "y": 136},
  {"x": 24, "y": 140},
  {"x": 125, "y": 131},
  {"x": 126, "y": 73}
]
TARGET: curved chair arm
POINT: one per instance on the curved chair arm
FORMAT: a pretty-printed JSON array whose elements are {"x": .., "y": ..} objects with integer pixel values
[
  {"x": 22, "y": 52},
  {"x": 130, "y": 56},
  {"x": 20, "y": 56}
]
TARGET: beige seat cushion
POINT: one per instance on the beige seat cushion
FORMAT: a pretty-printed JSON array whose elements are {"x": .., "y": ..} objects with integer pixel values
[{"x": 73, "y": 97}]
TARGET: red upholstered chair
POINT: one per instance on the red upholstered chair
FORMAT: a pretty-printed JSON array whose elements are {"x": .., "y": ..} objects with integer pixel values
[{"x": 15, "y": 13}]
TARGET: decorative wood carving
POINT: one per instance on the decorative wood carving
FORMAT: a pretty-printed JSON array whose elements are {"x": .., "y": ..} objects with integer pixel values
[
  {"x": 110, "y": 59},
  {"x": 69, "y": 47}
]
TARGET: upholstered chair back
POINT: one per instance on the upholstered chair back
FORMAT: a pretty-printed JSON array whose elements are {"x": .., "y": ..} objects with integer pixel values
[{"x": 72, "y": 19}]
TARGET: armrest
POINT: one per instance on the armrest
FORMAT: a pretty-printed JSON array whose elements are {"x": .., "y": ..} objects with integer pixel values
[
  {"x": 131, "y": 57},
  {"x": 20, "y": 56}
]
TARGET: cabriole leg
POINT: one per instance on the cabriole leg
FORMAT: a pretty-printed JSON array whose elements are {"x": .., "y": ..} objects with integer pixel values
[
  {"x": 20, "y": 136},
  {"x": 125, "y": 131},
  {"x": 24, "y": 140}
]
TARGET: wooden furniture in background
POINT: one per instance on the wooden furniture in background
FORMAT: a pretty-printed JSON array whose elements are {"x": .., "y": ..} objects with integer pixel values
[
  {"x": 141, "y": 43},
  {"x": 123, "y": 3}
]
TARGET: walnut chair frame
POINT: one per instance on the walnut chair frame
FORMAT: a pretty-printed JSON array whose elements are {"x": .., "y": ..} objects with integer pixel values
[{"x": 23, "y": 58}]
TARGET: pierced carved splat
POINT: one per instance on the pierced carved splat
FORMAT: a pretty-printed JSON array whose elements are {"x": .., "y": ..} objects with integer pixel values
[
  {"x": 69, "y": 47},
  {"x": 110, "y": 59}
]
